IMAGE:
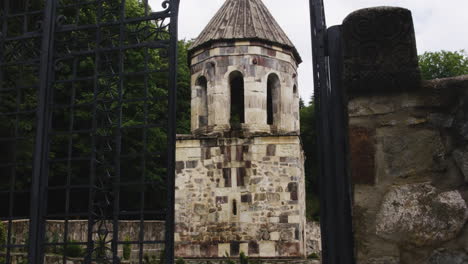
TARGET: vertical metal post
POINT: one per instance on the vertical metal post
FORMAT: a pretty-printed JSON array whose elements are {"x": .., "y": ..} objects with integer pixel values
[
  {"x": 321, "y": 90},
  {"x": 331, "y": 114},
  {"x": 339, "y": 183},
  {"x": 170, "y": 216},
  {"x": 39, "y": 178}
]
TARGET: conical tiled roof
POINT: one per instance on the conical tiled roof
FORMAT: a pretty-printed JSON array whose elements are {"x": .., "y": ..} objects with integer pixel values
[{"x": 244, "y": 20}]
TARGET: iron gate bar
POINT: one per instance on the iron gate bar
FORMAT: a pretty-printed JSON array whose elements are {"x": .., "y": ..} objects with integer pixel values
[
  {"x": 332, "y": 132},
  {"x": 38, "y": 181},
  {"x": 321, "y": 88},
  {"x": 340, "y": 182},
  {"x": 170, "y": 224}
]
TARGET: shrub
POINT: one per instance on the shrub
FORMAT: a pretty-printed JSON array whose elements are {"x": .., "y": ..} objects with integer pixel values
[
  {"x": 313, "y": 256},
  {"x": 243, "y": 258},
  {"x": 150, "y": 260},
  {"x": 3, "y": 236},
  {"x": 100, "y": 252},
  {"x": 228, "y": 260},
  {"x": 180, "y": 261},
  {"x": 73, "y": 250},
  {"x": 127, "y": 249}
]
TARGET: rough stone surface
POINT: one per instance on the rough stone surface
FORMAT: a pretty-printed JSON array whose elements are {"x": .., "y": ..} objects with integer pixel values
[
  {"x": 383, "y": 260},
  {"x": 362, "y": 152},
  {"x": 443, "y": 256},
  {"x": 254, "y": 200},
  {"x": 313, "y": 238},
  {"x": 418, "y": 215},
  {"x": 410, "y": 154},
  {"x": 380, "y": 50},
  {"x": 420, "y": 136},
  {"x": 461, "y": 158}
]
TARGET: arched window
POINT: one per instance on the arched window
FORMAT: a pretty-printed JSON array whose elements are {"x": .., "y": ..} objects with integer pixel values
[
  {"x": 273, "y": 91},
  {"x": 201, "y": 87},
  {"x": 236, "y": 83},
  {"x": 295, "y": 91}
]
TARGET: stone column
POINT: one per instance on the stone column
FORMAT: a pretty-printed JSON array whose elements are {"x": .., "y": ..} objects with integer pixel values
[
  {"x": 410, "y": 199},
  {"x": 380, "y": 51}
]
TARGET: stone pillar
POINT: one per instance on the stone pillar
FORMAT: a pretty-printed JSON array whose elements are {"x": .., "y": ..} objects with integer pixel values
[
  {"x": 380, "y": 50},
  {"x": 410, "y": 197}
]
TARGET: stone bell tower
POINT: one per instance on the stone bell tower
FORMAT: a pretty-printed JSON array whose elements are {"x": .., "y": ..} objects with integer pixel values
[{"x": 240, "y": 176}]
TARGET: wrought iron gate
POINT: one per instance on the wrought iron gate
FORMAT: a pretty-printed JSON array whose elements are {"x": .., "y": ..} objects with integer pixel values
[
  {"x": 332, "y": 136},
  {"x": 87, "y": 126}
]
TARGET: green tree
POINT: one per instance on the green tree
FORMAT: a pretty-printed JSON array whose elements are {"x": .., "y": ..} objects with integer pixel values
[
  {"x": 137, "y": 112},
  {"x": 309, "y": 141},
  {"x": 443, "y": 64},
  {"x": 127, "y": 249}
]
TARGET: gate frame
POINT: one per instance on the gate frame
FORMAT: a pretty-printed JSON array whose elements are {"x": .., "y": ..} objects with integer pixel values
[
  {"x": 39, "y": 177},
  {"x": 332, "y": 138}
]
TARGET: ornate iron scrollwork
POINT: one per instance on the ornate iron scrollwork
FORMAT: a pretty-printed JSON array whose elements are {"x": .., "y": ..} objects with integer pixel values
[{"x": 83, "y": 68}]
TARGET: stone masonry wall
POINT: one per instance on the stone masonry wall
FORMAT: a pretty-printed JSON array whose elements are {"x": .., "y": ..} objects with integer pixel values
[
  {"x": 240, "y": 195},
  {"x": 409, "y": 153},
  {"x": 78, "y": 232}
]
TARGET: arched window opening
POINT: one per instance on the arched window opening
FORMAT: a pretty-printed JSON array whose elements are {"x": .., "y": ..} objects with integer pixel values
[
  {"x": 295, "y": 91},
  {"x": 273, "y": 91},
  {"x": 236, "y": 82},
  {"x": 234, "y": 207},
  {"x": 202, "y": 95}
]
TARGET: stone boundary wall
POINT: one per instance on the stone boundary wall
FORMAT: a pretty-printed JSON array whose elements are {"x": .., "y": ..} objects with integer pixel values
[
  {"x": 409, "y": 159},
  {"x": 78, "y": 232},
  {"x": 154, "y": 230}
]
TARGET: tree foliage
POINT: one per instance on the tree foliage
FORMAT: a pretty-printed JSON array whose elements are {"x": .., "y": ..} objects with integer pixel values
[
  {"x": 309, "y": 142},
  {"x": 144, "y": 92},
  {"x": 443, "y": 64}
]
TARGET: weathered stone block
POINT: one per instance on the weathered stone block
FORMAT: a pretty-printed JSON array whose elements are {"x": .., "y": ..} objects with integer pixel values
[
  {"x": 275, "y": 236},
  {"x": 461, "y": 158},
  {"x": 283, "y": 218},
  {"x": 418, "y": 215},
  {"x": 180, "y": 165},
  {"x": 380, "y": 50},
  {"x": 267, "y": 248},
  {"x": 291, "y": 249},
  {"x": 408, "y": 152},
  {"x": 244, "y": 248},
  {"x": 224, "y": 249},
  {"x": 362, "y": 153},
  {"x": 221, "y": 199},
  {"x": 209, "y": 250},
  {"x": 191, "y": 164},
  {"x": 443, "y": 256},
  {"x": 271, "y": 150},
  {"x": 246, "y": 198}
]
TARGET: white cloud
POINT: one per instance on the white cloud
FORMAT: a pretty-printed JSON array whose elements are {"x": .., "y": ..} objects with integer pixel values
[{"x": 439, "y": 24}]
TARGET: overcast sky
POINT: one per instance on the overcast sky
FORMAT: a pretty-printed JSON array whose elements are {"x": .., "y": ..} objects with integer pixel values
[{"x": 439, "y": 24}]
